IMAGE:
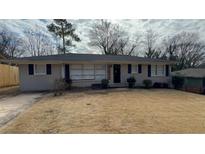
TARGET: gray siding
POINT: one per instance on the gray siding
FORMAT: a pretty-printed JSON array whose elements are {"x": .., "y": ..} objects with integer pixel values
[
  {"x": 141, "y": 76},
  {"x": 38, "y": 82}
]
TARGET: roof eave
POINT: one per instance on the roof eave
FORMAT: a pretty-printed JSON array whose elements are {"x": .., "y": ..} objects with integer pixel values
[{"x": 23, "y": 61}]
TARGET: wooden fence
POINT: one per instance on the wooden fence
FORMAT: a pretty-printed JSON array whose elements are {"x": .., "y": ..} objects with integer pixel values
[{"x": 9, "y": 75}]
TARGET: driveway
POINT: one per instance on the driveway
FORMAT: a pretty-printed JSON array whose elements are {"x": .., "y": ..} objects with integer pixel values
[{"x": 11, "y": 106}]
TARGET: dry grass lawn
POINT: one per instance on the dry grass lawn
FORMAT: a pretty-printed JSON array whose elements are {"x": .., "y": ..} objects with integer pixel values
[{"x": 114, "y": 111}]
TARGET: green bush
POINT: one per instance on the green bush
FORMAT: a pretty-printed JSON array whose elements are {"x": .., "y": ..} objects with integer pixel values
[
  {"x": 104, "y": 83},
  {"x": 178, "y": 82},
  {"x": 147, "y": 83},
  {"x": 131, "y": 82}
]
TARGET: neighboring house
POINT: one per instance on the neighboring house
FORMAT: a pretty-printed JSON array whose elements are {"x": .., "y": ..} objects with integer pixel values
[
  {"x": 40, "y": 73},
  {"x": 194, "y": 79},
  {"x": 202, "y": 65}
]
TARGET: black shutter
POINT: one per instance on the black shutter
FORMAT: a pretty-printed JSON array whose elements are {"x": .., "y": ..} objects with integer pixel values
[
  {"x": 48, "y": 69},
  {"x": 30, "y": 69},
  {"x": 67, "y": 72},
  {"x": 129, "y": 68},
  {"x": 167, "y": 70},
  {"x": 149, "y": 71},
  {"x": 139, "y": 68}
]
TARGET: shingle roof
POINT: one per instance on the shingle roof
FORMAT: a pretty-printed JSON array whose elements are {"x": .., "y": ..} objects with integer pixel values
[
  {"x": 89, "y": 58},
  {"x": 191, "y": 72}
]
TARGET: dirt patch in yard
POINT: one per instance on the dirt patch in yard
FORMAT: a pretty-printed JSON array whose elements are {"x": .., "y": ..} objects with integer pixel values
[{"x": 114, "y": 111}]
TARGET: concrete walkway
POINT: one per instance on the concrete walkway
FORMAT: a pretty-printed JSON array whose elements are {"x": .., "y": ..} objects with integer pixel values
[{"x": 11, "y": 106}]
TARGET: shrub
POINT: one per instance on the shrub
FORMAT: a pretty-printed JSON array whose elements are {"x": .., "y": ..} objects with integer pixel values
[
  {"x": 59, "y": 86},
  {"x": 165, "y": 85},
  {"x": 104, "y": 83},
  {"x": 131, "y": 82},
  {"x": 96, "y": 86},
  {"x": 178, "y": 82},
  {"x": 147, "y": 83},
  {"x": 157, "y": 85},
  {"x": 68, "y": 83},
  {"x": 160, "y": 85}
]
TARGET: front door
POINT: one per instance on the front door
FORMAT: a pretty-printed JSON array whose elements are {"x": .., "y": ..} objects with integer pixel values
[
  {"x": 116, "y": 73},
  {"x": 67, "y": 72}
]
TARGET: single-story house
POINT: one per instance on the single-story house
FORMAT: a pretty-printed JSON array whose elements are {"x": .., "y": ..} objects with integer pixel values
[
  {"x": 40, "y": 73},
  {"x": 194, "y": 79}
]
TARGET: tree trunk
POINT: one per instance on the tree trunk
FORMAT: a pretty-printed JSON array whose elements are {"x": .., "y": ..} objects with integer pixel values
[
  {"x": 63, "y": 44},
  {"x": 63, "y": 36}
]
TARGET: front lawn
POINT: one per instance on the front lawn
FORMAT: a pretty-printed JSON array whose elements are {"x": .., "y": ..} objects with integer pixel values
[{"x": 114, "y": 111}]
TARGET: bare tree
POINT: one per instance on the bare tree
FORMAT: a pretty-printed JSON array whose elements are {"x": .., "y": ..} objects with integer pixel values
[
  {"x": 10, "y": 44},
  {"x": 15, "y": 47},
  {"x": 186, "y": 48},
  {"x": 37, "y": 43},
  {"x": 150, "y": 38},
  {"x": 111, "y": 39},
  {"x": 4, "y": 41},
  {"x": 169, "y": 45}
]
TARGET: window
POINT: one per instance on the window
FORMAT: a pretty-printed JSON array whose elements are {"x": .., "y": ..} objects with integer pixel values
[
  {"x": 157, "y": 70},
  {"x": 134, "y": 68},
  {"x": 87, "y": 72},
  {"x": 40, "y": 69},
  {"x": 100, "y": 72},
  {"x": 78, "y": 72},
  {"x": 160, "y": 70}
]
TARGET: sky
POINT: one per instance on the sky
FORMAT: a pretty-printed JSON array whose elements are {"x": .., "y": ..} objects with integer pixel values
[{"x": 162, "y": 27}]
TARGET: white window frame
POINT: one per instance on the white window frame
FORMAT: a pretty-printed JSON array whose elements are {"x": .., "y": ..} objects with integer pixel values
[
  {"x": 134, "y": 68},
  {"x": 36, "y": 73}
]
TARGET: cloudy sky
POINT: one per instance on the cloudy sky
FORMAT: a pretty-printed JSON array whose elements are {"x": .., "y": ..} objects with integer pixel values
[{"x": 162, "y": 27}]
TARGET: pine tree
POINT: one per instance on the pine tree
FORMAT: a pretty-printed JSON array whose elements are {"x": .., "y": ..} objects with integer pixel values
[{"x": 65, "y": 31}]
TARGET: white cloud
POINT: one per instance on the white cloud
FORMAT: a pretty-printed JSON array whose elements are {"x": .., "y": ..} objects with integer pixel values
[{"x": 162, "y": 27}]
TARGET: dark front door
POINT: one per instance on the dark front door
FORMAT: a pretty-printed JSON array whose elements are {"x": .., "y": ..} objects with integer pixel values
[
  {"x": 67, "y": 72},
  {"x": 116, "y": 73}
]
